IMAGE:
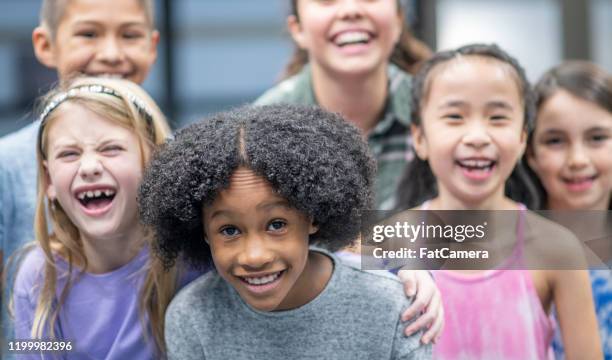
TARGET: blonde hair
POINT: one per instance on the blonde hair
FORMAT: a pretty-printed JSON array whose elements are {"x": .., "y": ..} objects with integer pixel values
[
  {"x": 52, "y": 11},
  {"x": 129, "y": 106}
]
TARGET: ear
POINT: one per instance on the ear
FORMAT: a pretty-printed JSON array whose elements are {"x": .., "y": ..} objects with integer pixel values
[
  {"x": 419, "y": 141},
  {"x": 154, "y": 42},
  {"x": 313, "y": 228},
  {"x": 43, "y": 47},
  {"x": 50, "y": 188},
  {"x": 295, "y": 29}
]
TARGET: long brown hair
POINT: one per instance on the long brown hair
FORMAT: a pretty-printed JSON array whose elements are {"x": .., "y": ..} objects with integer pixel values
[
  {"x": 582, "y": 79},
  {"x": 408, "y": 54}
]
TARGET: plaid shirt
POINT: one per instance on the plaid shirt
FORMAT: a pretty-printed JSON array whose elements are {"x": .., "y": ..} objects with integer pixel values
[{"x": 389, "y": 141}]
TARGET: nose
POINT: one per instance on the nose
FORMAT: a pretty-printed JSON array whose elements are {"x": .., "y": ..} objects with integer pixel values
[
  {"x": 111, "y": 50},
  {"x": 255, "y": 254},
  {"x": 477, "y": 135},
  {"x": 350, "y": 9},
  {"x": 577, "y": 157},
  {"x": 90, "y": 167}
]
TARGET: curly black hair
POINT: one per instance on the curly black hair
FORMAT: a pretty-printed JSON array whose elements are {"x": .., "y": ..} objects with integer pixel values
[{"x": 314, "y": 159}]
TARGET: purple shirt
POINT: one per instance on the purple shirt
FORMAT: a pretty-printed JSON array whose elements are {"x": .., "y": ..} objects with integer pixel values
[{"x": 101, "y": 314}]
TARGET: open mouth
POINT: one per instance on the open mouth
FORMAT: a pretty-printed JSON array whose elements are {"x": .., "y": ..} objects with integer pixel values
[
  {"x": 96, "y": 199},
  {"x": 476, "y": 165},
  {"x": 579, "y": 183},
  {"x": 259, "y": 284},
  {"x": 476, "y": 168},
  {"x": 352, "y": 38}
]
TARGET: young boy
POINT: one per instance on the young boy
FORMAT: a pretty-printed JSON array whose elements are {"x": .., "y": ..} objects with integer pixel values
[
  {"x": 113, "y": 38},
  {"x": 250, "y": 191}
]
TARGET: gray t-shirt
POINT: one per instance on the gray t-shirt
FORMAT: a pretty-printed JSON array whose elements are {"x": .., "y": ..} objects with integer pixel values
[{"x": 356, "y": 316}]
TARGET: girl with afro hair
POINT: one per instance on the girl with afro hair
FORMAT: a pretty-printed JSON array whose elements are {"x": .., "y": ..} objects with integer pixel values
[{"x": 264, "y": 194}]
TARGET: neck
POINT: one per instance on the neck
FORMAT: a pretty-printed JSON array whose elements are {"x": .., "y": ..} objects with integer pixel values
[
  {"x": 359, "y": 98},
  {"x": 112, "y": 252},
  {"x": 311, "y": 283},
  {"x": 498, "y": 201}
]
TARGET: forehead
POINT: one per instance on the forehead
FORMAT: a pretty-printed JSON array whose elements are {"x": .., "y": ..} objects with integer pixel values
[
  {"x": 246, "y": 183},
  {"x": 565, "y": 111},
  {"x": 112, "y": 11},
  {"x": 246, "y": 192},
  {"x": 74, "y": 121},
  {"x": 462, "y": 75}
]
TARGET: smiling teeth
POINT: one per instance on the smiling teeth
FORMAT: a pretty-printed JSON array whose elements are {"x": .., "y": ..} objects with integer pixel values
[
  {"x": 262, "y": 280},
  {"x": 579, "y": 180},
  {"x": 95, "y": 194},
  {"x": 352, "y": 37},
  {"x": 481, "y": 164}
]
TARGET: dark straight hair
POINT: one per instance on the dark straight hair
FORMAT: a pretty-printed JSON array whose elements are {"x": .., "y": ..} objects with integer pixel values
[{"x": 418, "y": 182}]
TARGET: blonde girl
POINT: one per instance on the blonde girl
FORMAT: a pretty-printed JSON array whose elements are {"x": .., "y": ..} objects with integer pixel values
[
  {"x": 91, "y": 280},
  {"x": 472, "y": 107}
]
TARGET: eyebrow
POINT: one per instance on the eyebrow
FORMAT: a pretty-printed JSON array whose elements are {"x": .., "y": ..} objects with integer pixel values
[
  {"x": 277, "y": 203},
  {"x": 265, "y": 206},
  {"x": 553, "y": 131},
  {"x": 499, "y": 104},
  {"x": 61, "y": 145},
  {"x": 598, "y": 128},
  {"x": 98, "y": 23},
  {"x": 452, "y": 103},
  {"x": 490, "y": 104}
]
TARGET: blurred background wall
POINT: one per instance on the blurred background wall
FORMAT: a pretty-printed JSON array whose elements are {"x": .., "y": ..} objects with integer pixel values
[{"x": 217, "y": 54}]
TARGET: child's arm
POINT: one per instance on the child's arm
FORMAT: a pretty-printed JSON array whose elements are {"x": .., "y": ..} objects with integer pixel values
[
  {"x": 24, "y": 309},
  {"x": 420, "y": 283},
  {"x": 182, "y": 341},
  {"x": 409, "y": 347},
  {"x": 571, "y": 291},
  {"x": 24, "y": 290}
]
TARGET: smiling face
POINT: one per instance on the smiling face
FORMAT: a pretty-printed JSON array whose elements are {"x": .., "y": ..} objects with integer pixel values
[
  {"x": 347, "y": 36},
  {"x": 94, "y": 167},
  {"x": 572, "y": 148},
  {"x": 259, "y": 243},
  {"x": 100, "y": 38},
  {"x": 472, "y": 130}
]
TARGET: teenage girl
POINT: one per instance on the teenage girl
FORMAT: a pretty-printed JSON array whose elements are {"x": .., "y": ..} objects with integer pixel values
[
  {"x": 570, "y": 149},
  {"x": 355, "y": 57},
  {"x": 91, "y": 280},
  {"x": 469, "y": 131}
]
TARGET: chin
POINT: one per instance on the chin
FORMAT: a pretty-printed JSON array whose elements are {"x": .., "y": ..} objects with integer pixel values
[{"x": 263, "y": 306}]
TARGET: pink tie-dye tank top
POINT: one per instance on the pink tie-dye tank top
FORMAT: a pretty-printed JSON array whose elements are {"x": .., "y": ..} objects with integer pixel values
[{"x": 493, "y": 314}]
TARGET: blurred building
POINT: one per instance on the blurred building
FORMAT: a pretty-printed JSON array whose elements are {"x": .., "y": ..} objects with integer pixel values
[{"x": 216, "y": 54}]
